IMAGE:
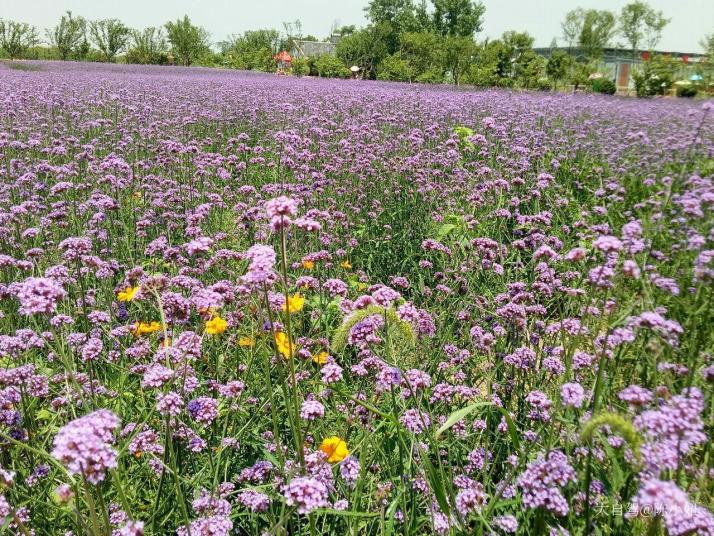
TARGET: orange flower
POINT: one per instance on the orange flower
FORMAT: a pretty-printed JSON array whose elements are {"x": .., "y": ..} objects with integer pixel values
[
  {"x": 246, "y": 342},
  {"x": 128, "y": 294},
  {"x": 321, "y": 358},
  {"x": 335, "y": 448},
  {"x": 308, "y": 265},
  {"x": 294, "y": 304},
  {"x": 283, "y": 344},
  {"x": 144, "y": 328},
  {"x": 216, "y": 325},
  {"x": 346, "y": 265}
]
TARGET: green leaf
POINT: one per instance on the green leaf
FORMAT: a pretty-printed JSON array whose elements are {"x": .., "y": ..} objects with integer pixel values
[
  {"x": 444, "y": 230},
  {"x": 458, "y": 415}
]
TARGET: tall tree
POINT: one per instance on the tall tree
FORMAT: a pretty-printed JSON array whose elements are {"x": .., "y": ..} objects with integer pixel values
[
  {"x": 557, "y": 66},
  {"x": 16, "y": 38},
  {"x": 188, "y": 42},
  {"x": 69, "y": 36},
  {"x": 365, "y": 48},
  {"x": 147, "y": 46},
  {"x": 461, "y": 18},
  {"x": 572, "y": 26},
  {"x": 393, "y": 17},
  {"x": 640, "y": 23},
  {"x": 597, "y": 32},
  {"x": 110, "y": 36}
]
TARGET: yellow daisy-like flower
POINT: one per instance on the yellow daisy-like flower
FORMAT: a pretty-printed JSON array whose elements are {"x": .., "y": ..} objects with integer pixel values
[
  {"x": 282, "y": 342},
  {"x": 308, "y": 265},
  {"x": 295, "y": 303},
  {"x": 128, "y": 294},
  {"x": 335, "y": 448},
  {"x": 321, "y": 358},
  {"x": 246, "y": 342},
  {"x": 346, "y": 265},
  {"x": 216, "y": 325},
  {"x": 144, "y": 328}
]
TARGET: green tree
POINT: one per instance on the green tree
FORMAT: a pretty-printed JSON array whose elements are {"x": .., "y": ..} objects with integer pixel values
[
  {"x": 597, "y": 31},
  {"x": 572, "y": 26},
  {"x": 254, "y": 50},
  {"x": 557, "y": 66},
  {"x": 424, "y": 53},
  {"x": 579, "y": 74},
  {"x": 365, "y": 48},
  {"x": 393, "y": 17},
  {"x": 110, "y": 36},
  {"x": 147, "y": 46},
  {"x": 459, "y": 53},
  {"x": 461, "y": 18},
  {"x": 16, "y": 38},
  {"x": 69, "y": 36},
  {"x": 640, "y": 23},
  {"x": 188, "y": 42}
]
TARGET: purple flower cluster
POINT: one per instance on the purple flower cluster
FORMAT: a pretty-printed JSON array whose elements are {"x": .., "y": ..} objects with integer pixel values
[{"x": 84, "y": 445}]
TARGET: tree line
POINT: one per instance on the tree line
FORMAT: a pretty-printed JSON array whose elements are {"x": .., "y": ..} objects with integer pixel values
[{"x": 404, "y": 40}]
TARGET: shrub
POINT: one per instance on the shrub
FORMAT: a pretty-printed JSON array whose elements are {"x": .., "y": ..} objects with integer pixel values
[
  {"x": 301, "y": 67},
  {"x": 329, "y": 66},
  {"x": 604, "y": 85},
  {"x": 543, "y": 84},
  {"x": 688, "y": 91},
  {"x": 395, "y": 68},
  {"x": 655, "y": 77}
]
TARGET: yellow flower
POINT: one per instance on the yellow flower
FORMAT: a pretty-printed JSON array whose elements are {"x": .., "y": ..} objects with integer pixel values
[
  {"x": 246, "y": 342},
  {"x": 308, "y": 265},
  {"x": 335, "y": 448},
  {"x": 294, "y": 304},
  {"x": 144, "y": 328},
  {"x": 282, "y": 342},
  {"x": 216, "y": 325},
  {"x": 346, "y": 265},
  {"x": 137, "y": 195},
  {"x": 128, "y": 294},
  {"x": 321, "y": 358}
]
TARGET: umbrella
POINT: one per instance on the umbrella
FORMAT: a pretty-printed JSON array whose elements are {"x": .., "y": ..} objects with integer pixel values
[
  {"x": 354, "y": 69},
  {"x": 696, "y": 77},
  {"x": 595, "y": 76}
]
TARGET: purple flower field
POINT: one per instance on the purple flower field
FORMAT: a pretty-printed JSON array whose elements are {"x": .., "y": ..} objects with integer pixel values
[{"x": 247, "y": 304}]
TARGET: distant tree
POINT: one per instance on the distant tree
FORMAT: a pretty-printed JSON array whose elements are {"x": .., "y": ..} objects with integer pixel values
[
  {"x": 459, "y": 52},
  {"x": 69, "y": 36},
  {"x": 640, "y": 23},
  {"x": 557, "y": 66},
  {"x": 365, "y": 48},
  {"x": 572, "y": 26},
  {"x": 16, "y": 38},
  {"x": 147, "y": 46},
  {"x": 597, "y": 31},
  {"x": 707, "y": 43},
  {"x": 424, "y": 51},
  {"x": 254, "y": 50},
  {"x": 392, "y": 17},
  {"x": 346, "y": 30},
  {"x": 110, "y": 36},
  {"x": 424, "y": 20},
  {"x": 461, "y": 18},
  {"x": 188, "y": 42}
]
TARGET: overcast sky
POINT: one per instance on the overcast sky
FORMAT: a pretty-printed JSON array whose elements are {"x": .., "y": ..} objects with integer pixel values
[{"x": 691, "y": 19}]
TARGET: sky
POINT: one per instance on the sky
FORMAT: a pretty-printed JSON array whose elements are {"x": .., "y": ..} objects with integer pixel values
[{"x": 691, "y": 19}]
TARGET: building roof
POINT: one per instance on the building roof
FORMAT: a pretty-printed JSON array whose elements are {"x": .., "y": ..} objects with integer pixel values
[
  {"x": 619, "y": 53},
  {"x": 302, "y": 48}
]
